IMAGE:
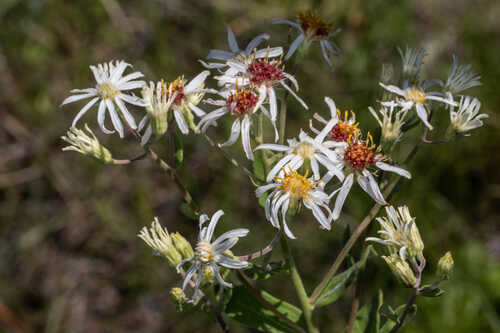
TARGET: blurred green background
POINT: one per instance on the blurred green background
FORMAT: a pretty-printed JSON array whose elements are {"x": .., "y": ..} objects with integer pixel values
[{"x": 70, "y": 260}]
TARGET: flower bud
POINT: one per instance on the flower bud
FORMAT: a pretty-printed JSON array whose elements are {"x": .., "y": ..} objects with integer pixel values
[
  {"x": 401, "y": 270},
  {"x": 177, "y": 295},
  {"x": 208, "y": 276},
  {"x": 160, "y": 240},
  {"x": 445, "y": 266},
  {"x": 182, "y": 245},
  {"x": 86, "y": 144},
  {"x": 158, "y": 99}
]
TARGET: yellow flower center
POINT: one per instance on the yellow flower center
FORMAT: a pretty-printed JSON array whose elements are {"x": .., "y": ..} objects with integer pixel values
[
  {"x": 107, "y": 90},
  {"x": 304, "y": 150},
  {"x": 415, "y": 95},
  {"x": 297, "y": 185},
  {"x": 204, "y": 252}
]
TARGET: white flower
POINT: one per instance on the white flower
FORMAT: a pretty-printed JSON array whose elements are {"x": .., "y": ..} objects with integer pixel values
[
  {"x": 312, "y": 28},
  {"x": 264, "y": 74},
  {"x": 316, "y": 150},
  {"x": 467, "y": 117},
  {"x": 417, "y": 97},
  {"x": 110, "y": 89},
  {"x": 400, "y": 232},
  {"x": 235, "y": 50},
  {"x": 290, "y": 188},
  {"x": 412, "y": 60},
  {"x": 358, "y": 158},
  {"x": 183, "y": 105},
  {"x": 462, "y": 77},
  {"x": 86, "y": 144},
  {"x": 342, "y": 129},
  {"x": 241, "y": 104},
  {"x": 209, "y": 254},
  {"x": 390, "y": 127}
]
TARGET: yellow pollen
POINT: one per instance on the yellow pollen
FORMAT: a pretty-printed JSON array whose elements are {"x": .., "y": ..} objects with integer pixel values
[
  {"x": 297, "y": 185},
  {"x": 415, "y": 95},
  {"x": 304, "y": 150},
  {"x": 107, "y": 90}
]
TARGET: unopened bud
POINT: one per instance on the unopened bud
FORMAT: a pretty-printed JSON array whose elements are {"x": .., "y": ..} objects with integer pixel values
[
  {"x": 86, "y": 144},
  {"x": 208, "y": 276},
  {"x": 401, "y": 270},
  {"x": 177, "y": 295},
  {"x": 445, "y": 266},
  {"x": 182, "y": 245},
  {"x": 159, "y": 239}
]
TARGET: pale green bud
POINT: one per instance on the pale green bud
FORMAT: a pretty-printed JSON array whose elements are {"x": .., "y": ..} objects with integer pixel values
[
  {"x": 86, "y": 144},
  {"x": 182, "y": 245},
  {"x": 401, "y": 270},
  {"x": 208, "y": 276},
  {"x": 159, "y": 239},
  {"x": 445, "y": 266}
]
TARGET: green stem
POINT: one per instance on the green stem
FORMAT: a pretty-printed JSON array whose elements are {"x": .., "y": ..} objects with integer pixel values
[
  {"x": 299, "y": 287},
  {"x": 283, "y": 119}
]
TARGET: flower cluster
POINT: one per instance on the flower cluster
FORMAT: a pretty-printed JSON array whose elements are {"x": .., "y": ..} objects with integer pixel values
[{"x": 315, "y": 169}]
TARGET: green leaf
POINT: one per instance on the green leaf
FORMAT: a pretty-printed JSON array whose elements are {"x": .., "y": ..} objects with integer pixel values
[
  {"x": 387, "y": 311},
  {"x": 178, "y": 151},
  {"x": 258, "y": 272},
  {"x": 368, "y": 318},
  {"x": 436, "y": 292},
  {"x": 337, "y": 285},
  {"x": 258, "y": 166},
  {"x": 389, "y": 324},
  {"x": 246, "y": 308},
  {"x": 187, "y": 211}
]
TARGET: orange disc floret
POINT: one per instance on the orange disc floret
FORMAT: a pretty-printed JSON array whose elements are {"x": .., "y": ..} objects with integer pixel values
[
  {"x": 342, "y": 131},
  {"x": 241, "y": 102},
  {"x": 176, "y": 86},
  {"x": 313, "y": 25},
  {"x": 264, "y": 71},
  {"x": 360, "y": 154}
]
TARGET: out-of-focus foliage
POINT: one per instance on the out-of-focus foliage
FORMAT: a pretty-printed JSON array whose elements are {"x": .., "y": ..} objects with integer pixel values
[{"x": 69, "y": 256}]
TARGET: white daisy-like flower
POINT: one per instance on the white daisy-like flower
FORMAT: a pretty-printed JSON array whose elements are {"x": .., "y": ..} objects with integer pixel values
[
  {"x": 412, "y": 61},
  {"x": 462, "y": 77},
  {"x": 240, "y": 104},
  {"x": 315, "y": 150},
  {"x": 414, "y": 96},
  {"x": 359, "y": 157},
  {"x": 467, "y": 117},
  {"x": 264, "y": 74},
  {"x": 236, "y": 52},
  {"x": 160, "y": 98},
  {"x": 391, "y": 121},
  {"x": 109, "y": 90},
  {"x": 399, "y": 232},
  {"x": 313, "y": 28},
  {"x": 290, "y": 188},
  {"x": 209, "y": 255}
]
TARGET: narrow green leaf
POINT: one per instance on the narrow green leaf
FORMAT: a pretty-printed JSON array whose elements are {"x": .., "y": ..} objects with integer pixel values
[
  {"x": 178, "y": 151},
  {"x": 387, "y": 311},
  {"x": 436, "y": 292},
  {"x": 258, "y": 166},
  {"x": 187, "y": 211},
  {"x": 337, "y": 285},
  {"x": 368, "y": 317},
  {"x": 245, "y": 308}
]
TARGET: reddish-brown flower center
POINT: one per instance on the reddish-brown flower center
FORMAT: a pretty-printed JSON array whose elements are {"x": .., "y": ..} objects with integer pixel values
[
  {"x": 313, "y": 25},
  {"x": 359, "y": 156},
  {"x": 264, "y": 71},
  {"x": 241, "y": 102},
  {"x": 342, "y": 131}
]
